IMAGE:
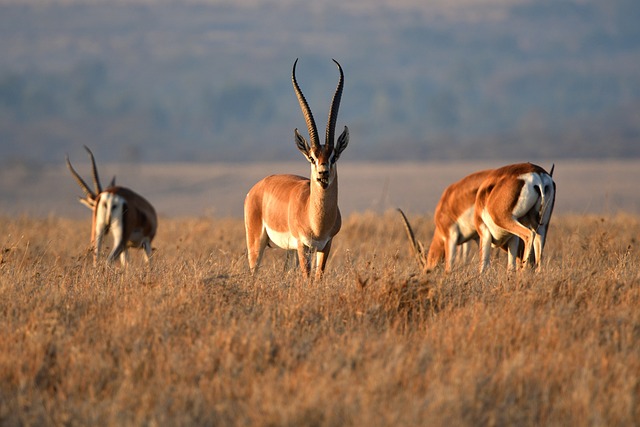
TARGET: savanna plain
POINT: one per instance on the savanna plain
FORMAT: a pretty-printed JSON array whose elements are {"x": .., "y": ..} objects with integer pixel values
[{"x": 195, "y": 340}]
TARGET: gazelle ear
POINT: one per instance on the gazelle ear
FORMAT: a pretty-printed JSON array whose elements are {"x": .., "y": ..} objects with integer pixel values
[
  {"x": 302, "y": 145},
  {"x": 341, "y": 144}
]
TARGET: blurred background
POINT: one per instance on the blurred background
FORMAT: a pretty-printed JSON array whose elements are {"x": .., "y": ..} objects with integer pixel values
[{"x": 203, "y": 81}]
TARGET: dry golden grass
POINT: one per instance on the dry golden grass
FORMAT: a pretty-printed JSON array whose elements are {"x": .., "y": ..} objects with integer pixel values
[{"x": 195, "y": 341}]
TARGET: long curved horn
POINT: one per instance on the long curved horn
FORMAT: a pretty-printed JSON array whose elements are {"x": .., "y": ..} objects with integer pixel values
[
  {"x": 85, "y": 188},
  {"x": 333, "y": 112},
  {"x": 306, "y": 111},
  {"x": 417, "y": 249},
  {"x": 94, "y": 171}
]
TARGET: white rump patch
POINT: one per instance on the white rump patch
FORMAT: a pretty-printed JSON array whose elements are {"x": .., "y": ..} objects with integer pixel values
[
  {"x": 528, "y": 195},
  {"x": 109, "y": 211}
]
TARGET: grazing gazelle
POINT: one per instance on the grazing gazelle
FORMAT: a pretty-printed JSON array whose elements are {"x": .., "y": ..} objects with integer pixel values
[
  {"x": 454, "y": 219},
  {"x": 454, "y": 223},
  {"x": 515, "y": 201},
  {"x": 294, "y": 212},
  {"x": 129, "y": 217}
]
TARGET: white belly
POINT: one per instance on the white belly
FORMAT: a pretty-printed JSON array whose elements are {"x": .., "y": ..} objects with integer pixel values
[
  {"x": 282, "y": 240},
  {"x": 285, "y": 240},
  {"x": 466, "y": 225}
]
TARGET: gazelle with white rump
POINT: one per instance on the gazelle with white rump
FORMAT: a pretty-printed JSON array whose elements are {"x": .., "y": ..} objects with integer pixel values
[
  {"x": 515, "y": 201},
  {"x": 129, "y": 217},
  {"x": 294, "y": 212}
]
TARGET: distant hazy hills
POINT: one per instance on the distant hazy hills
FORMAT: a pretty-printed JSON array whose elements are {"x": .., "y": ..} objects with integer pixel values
[{"x": 210, "y": 80}]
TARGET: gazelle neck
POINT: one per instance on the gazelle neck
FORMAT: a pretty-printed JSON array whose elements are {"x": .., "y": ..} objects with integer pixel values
[{"x": 323, "y": 206}]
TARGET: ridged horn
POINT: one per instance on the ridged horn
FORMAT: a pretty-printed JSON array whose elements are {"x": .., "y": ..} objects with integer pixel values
[
  {"x": 83, "y": 185},
  {"x": 94, "y": 171},
  {"x": 417, "y": 249},
  {"x": 306, "y": 111},
  {"x": 335, "y": 106}
]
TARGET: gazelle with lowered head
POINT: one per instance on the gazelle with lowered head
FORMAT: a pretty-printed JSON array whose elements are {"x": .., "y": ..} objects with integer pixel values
[
  {"x": 129, "y": 217},
  {"x": 294, "y": 212},
  {"x": 454, "y": 223},
  {"x": 513, "y": 207}
]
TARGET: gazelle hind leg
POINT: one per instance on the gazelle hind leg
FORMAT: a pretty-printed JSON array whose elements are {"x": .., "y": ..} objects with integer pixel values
[
  {"x": 119, "y": 251},
  {"x": 529, "y": 242},
  {"x": 146, "y": 245},
  {"x": 512, "y": 253},
  {"x": 255, "y": 232},
  {"x": 119, "y": 244},
  {"x": 255, "y": 249},
  {"x": 518, "y": 230},
  {"x": 450, "y": 251},
  {"x": 538, "y": 245}
]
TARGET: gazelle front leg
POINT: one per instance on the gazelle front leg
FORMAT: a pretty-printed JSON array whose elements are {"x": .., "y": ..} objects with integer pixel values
[
  {"x": 321, "y": 260},
  {"x": 484, "y": 246},
  {"x": 450, "y": 250},
  {"x": 97, "y": 247},
  {"x": 304, "y": 256}
]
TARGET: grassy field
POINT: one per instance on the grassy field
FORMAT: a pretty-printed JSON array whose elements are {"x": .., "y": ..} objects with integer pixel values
[{"x": 194, "y": 340}]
